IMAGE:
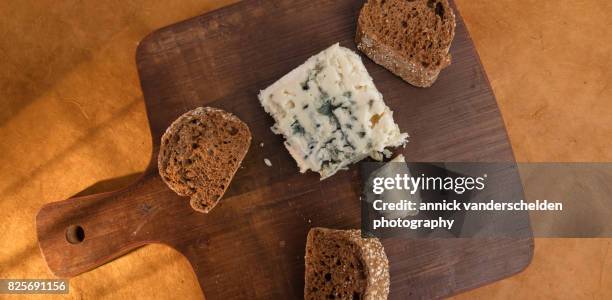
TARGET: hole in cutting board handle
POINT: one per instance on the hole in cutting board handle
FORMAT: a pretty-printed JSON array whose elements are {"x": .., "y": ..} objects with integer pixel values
[{"x": 75, "y": 234}]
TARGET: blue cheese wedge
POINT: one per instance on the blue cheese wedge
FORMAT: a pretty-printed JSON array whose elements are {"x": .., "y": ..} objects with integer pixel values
[{"x": 330, "y": 113}]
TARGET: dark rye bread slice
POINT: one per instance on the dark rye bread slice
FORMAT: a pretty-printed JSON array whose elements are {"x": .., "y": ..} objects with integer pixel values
[
  {"x": 340, "y": 264},
  {"x": 411, "y": 38},
  {"x": 200, "y": 153}
]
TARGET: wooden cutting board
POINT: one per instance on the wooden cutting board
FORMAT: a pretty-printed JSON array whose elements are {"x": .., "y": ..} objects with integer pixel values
[{"x": 252, "y": 244}]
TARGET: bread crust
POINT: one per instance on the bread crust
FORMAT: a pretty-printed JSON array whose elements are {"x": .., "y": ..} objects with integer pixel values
[
  {"x": 399, "y": 61},
  {"x": 369, "y": 251},
  {"x": 199, "y": 154}
]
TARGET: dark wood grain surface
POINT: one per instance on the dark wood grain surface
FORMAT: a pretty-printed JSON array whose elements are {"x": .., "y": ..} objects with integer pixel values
[{"x": 252, "y": 244}]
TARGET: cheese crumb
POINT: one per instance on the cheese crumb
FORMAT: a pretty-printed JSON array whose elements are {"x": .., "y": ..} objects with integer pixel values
[{"x": 267, "y": 162}]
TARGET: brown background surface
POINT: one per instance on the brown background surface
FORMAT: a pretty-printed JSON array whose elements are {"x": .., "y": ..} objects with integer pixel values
[{"x": 72, "y": 114}]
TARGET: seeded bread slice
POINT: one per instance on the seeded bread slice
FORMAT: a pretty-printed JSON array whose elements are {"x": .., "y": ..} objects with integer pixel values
[
  {"x": 340, "y": 264},
  {"x": 410, "y": 38},
  {"x": 200, "y": 153}
]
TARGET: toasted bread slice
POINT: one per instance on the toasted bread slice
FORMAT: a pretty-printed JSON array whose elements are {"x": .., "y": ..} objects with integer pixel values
[
  {"x": 200, "y": 153},
  {"x": 412, "y": 39},
  {"x": 340, "y": 264}
]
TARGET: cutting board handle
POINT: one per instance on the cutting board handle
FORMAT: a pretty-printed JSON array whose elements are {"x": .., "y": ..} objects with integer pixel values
[{"x": 79, "y": 234}]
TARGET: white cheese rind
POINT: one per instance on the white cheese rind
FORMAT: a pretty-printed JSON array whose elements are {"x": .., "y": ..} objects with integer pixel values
[{"x": 330, "y": 113}]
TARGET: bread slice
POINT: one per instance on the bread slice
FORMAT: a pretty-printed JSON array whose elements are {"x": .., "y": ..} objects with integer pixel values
[
  {"x": 200, "y": 153},
  {"x": 340, "y": 264},
  {"x": 410, "y": 38}
]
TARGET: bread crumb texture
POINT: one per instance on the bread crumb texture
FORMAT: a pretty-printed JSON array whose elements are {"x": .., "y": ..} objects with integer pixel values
[
  {"x": 200, "y": 153},
  {"x": 340, "y": 264},
  {"x": 412, "y": 39}
]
